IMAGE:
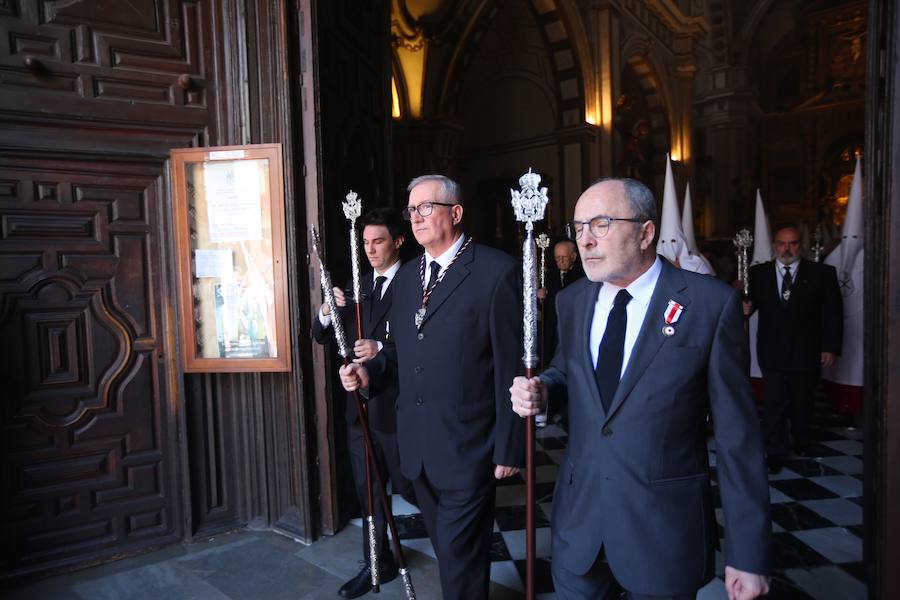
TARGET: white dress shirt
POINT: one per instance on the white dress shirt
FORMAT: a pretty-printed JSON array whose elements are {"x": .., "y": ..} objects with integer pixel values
[
  {"x": 641, "y": 290},
  {"x": 443, "y": 260}
]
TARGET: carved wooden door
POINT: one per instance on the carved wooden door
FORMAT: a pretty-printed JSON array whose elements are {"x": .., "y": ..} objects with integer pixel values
[{"x": 92, "y": 96}]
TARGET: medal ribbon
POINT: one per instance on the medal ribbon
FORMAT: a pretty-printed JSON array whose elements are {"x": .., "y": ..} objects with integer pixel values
[{"x": 426, "y": 292}]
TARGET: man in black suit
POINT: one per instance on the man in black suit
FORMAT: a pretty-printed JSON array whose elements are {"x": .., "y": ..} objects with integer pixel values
[
  {"x": 646, "y": 351},
  {"x": 801, "y": 322},
  {"x": 456, "y": 324},
  {"x": 382, "y": 233}
]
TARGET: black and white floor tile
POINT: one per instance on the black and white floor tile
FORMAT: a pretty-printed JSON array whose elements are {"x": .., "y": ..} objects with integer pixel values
[{"x": 816, "y": 521}]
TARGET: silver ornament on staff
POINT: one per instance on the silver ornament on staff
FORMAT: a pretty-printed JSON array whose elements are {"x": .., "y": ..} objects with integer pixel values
[
  {"x": 352, "y": 211},
  {"x": 529, "y": 204},
  {"x": 340, "y": 339},
  {"x": 817, "y": 246},
  {"x": 543, "y": 242},
  {"x": 742, "y": 242}
]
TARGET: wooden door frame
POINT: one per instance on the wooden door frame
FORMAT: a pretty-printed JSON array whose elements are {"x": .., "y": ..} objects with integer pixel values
[{"x": 881, "y": 478}]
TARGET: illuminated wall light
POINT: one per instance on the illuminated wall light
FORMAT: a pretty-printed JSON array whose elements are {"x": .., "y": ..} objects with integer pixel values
[{"x": 395, "y": 100}]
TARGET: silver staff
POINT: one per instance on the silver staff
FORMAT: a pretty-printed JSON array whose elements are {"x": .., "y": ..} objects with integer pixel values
[
  {"x": 529, "y": 205},
  {"x": 742, "y": 242},
  {"x": 339, "y": 337},
  {"x": 352, "y": 210},
  {"x": 817, "y": 246},
  {"x": 543, "y": 242},
  {"x": 341, "y": 340},
  {"x": 343, "y": 350}
]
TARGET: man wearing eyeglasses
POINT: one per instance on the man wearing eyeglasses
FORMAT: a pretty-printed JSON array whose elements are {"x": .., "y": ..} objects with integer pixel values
[
  {"x": 646, "y": 350},
  {"x": 456, "y": 323}
]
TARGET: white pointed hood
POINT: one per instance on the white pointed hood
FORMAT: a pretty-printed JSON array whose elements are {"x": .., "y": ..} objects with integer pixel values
[
  {"x": 671, "y": 237},
  {"x": 762, "y": 234},
  {"x": 852, "y": 231}
]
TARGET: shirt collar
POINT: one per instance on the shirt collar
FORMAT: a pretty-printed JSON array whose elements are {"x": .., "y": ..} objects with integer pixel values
[
  {"x": 792, "y": 266},
  {"x": 389, "y": 273},
  {"x": 641, "y": 289},
  {"x": 445, "y": 258}
]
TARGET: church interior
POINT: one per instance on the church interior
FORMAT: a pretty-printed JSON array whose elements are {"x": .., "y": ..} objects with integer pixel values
[{"x": 127, "y": 475}]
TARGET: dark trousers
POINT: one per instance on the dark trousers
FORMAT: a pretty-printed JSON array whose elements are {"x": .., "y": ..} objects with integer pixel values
[
  {"x": 790, "y": 395},
  {"x": 597, "y": 584},
  {"x": 388, "y": 460},
  {"x": 460, "y": 525}
]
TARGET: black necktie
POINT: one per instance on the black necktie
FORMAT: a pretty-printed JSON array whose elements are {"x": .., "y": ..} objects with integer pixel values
[
  {"x": 612, "y": 348},
  {"x": 435, "y": 270},
  {"x": 786, "y": 283},
  {"x": 376, "y": 294}
]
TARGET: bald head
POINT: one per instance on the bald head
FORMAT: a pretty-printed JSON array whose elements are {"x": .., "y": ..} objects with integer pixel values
[
  {"x": 565, "y": 253},
  {"x": 620, "y": 249}
]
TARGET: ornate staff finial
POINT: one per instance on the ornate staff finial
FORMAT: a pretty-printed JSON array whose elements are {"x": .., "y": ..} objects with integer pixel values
[
  {"x": 529, "y": 204},
  {"x": 352, "y": 206}
]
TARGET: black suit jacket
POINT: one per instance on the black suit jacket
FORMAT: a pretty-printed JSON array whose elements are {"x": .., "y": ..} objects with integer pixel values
[
  {"x": 376, "y": 326},
  {"x": 792, "y": 335},
  {"x": 635, "y": 479},
  {"x": 454, "y": 416}
]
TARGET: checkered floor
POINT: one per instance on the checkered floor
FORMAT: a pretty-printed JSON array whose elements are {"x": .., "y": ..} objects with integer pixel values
[{"x": 816, "y": 514}]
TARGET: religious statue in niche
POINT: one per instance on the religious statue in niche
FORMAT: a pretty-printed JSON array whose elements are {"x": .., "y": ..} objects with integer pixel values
[
  {"x": 634, "y": 131},
  {"x": 847, "y": 62},
  {"x": 837, "y": 176}
]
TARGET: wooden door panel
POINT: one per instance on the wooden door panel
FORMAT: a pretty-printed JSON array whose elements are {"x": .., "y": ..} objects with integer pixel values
[
  {"x": 107, "y": 60},
  {"x": 88, "y": 463}
]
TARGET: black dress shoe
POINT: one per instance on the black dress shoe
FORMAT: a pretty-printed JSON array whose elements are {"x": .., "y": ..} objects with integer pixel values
[
  {"x": 775, "y": 464},
  {"x": 361, "y": 584},
  {"x": 802, "y": 451}
]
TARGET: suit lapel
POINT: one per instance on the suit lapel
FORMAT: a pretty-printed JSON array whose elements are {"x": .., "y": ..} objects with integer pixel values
[
  {"x": 669, "y": 286},
  {"x": 454, "y": 276}
]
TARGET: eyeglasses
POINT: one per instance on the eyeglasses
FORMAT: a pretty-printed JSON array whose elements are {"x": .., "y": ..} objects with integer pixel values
[
  {"x": 424, "y": 209},
  {"x": 599, "y": 226}
]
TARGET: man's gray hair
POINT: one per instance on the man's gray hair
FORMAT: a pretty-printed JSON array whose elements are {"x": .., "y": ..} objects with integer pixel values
[
  {"x": 449, "y": 189},
  {"x": 639, "y": 197}
]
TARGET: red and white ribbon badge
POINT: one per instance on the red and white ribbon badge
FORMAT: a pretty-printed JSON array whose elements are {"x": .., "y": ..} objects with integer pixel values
[{"x": 673, "y": 312}]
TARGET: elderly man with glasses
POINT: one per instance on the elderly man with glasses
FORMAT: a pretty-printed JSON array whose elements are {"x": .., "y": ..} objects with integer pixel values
[
  {"x": 456, "y": 324},
  {"x": 645, "y": 351}
]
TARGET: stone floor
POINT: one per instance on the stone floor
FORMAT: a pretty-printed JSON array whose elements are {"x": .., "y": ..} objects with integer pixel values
[
  {"x": 817, "y": 530},
  {"x": 245, "y": 565}
]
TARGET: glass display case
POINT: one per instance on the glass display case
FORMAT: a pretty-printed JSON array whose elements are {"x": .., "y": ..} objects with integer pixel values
[{"x": 229, "y": 223}]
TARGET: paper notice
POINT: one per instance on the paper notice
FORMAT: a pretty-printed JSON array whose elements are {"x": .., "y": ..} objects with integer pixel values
[
  {"x": 213, "y": 263},
  {"x": 233, "y": 201}
]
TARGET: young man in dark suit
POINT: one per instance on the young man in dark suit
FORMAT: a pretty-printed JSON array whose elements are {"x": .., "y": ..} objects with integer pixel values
[
  {"x": 801, "y": 322},
  {"x": 457, "y": 325},
  {"x": 645, "y": 351},
  {"x": 382, "y": 233}
]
